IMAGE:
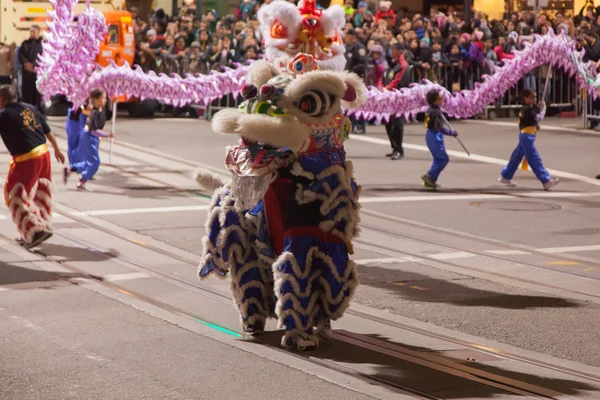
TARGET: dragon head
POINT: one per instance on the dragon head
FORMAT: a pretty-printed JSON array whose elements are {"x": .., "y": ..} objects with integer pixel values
[{"x": 293, "y": 104}]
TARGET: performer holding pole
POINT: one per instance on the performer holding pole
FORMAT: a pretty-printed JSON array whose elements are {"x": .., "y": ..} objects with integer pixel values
[
  {"x": 524, "y": 164},
  {"x": 436, "y": 129},
  {"x": 28, "y": 188},
  {"x": 529, "y": 119}
]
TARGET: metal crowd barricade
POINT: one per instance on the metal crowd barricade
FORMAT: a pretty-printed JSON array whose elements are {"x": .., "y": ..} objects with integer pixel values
[
  {"x": 218, "y": 104},
  {"x": 206, "y": 111},
  {"x": 591, "y": 110},
  {"x": 562, "y": 89}
]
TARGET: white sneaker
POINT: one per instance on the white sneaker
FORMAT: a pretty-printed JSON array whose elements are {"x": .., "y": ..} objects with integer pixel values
[
  {"x": 552, "y": 182},
  {"x": 507, "y": 182}
]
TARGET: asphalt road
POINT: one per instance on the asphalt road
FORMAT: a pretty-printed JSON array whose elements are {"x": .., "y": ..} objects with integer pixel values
[
  {"x": 534, "y": 320},
  {"x": 516, "y": 267}
]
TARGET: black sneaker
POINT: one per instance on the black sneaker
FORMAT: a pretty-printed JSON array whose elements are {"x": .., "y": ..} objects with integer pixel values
[
  {"x": 389, "y": 154},
  {"x": 396, "y": 156},
  {"x": 20, "y": 241},
  {"x": 428, "y": 182},
  {"x": 38, "y": 239}
]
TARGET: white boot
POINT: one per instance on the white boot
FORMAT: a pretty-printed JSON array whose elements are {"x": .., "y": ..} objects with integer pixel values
[
  {"x": 324, "y": 329},
  {"x": 300, "y": 344}
]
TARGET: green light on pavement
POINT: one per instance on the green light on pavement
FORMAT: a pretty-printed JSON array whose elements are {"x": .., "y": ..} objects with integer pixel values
[{"x": 219, "y": 328}]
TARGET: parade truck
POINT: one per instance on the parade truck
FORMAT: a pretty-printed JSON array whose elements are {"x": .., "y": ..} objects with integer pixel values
[{"x": 16, "y": 18}]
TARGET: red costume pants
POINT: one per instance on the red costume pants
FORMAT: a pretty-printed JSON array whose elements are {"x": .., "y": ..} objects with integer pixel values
[{"x": 28, "y": 192}]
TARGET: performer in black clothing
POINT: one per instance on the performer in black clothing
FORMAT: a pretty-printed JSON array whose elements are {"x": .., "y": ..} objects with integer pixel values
[
  {"x": 28, "y": 188},
  {"x": 529, "y": 118},
  {"x": 28, "y": 55},
  {"x": 397, "y": 76},
  {"x": 356, "y": 61}
]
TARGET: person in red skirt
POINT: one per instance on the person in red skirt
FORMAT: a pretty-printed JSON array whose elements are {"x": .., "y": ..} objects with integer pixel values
[{"x": 28, "y": 188}]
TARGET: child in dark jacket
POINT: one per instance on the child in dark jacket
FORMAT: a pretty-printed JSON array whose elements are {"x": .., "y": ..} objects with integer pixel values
[{"x": 436, "y": 129}]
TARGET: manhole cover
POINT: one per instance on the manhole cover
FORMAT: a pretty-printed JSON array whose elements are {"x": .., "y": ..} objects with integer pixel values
[{"x": 509, "y": 205}]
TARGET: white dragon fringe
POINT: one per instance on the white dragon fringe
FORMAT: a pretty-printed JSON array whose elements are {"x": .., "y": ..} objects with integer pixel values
[
  {"x": 31, "y": 212},
  {"x": 320, "y": 301}
]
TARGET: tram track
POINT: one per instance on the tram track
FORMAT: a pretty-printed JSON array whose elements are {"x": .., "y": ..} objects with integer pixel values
[
  {"x": 474, "y": 238},
  {"x": 400, "y": 389},
  {"x": 438, "y": 363},
  {"x": 375, "y": 214},
  {"x": 429, "y": 259},
  {"x": 520, "y": 388},
  {"x": 388, "y": 322}
]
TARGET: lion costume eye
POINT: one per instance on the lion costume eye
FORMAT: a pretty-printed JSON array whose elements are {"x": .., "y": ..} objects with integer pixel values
[{"x": 314, "y": 103}]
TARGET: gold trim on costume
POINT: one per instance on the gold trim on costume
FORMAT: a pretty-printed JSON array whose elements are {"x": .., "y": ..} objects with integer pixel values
[
  {"x": 36, "y": 152},
  {"x": 530, "y": 130}
]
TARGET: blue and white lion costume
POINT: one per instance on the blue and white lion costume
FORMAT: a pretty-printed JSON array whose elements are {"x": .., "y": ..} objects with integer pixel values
[{"x": 284, "y": 224}]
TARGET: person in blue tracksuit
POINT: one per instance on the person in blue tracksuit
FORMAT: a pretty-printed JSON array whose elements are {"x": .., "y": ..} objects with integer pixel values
[
  {"x": 87, "y": 157},
  {"x": 73, "y": 129},
  {"x": 76, "y": 120},
  {"x": 529, "y": 118},
  {"x": 436, "y": 129}
]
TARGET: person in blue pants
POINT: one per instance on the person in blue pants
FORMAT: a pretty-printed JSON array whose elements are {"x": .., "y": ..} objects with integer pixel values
[
  {"x": 73, "y": 129},
  {"x": 436, "y": 129},
  {"x": 76, "y": 121},
  {"x": 525, "y": 153},
  {"x": 87, "y": 157}
]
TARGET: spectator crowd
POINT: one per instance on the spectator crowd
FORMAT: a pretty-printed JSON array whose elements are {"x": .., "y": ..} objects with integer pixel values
[{"x": 440, "y": 46}]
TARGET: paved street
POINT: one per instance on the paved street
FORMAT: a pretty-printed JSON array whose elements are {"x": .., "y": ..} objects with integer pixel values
[{"x": 474, "y": 291}]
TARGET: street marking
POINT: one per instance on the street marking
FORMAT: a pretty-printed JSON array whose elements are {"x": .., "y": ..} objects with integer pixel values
[
  {"x": 476, "y": 157},
  {"x": 434, "y": 197},
  {"x": 588, "y": 269},
  {"x": 80, "y": 279},
  {"x": 125, "y": 277},
  {"x": 550, "y": 195},
  {"x": 365, "y": 200},
  {"x": 562, "y": 263},
  {"x": 552, "y": 250},
  {"x": 95, "y": 358},
  {"x": 563, "y": 128},
  {"x": 416, "y": 287},
  {"x": 452, "y": 256},
  {"x": 2, "y": 289},
  {"x": 380, "y": 261},
  {"x": 390, "y": 260},
  {"x": 507, "y": 252},
  {"x": 96, "y": 213}
]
